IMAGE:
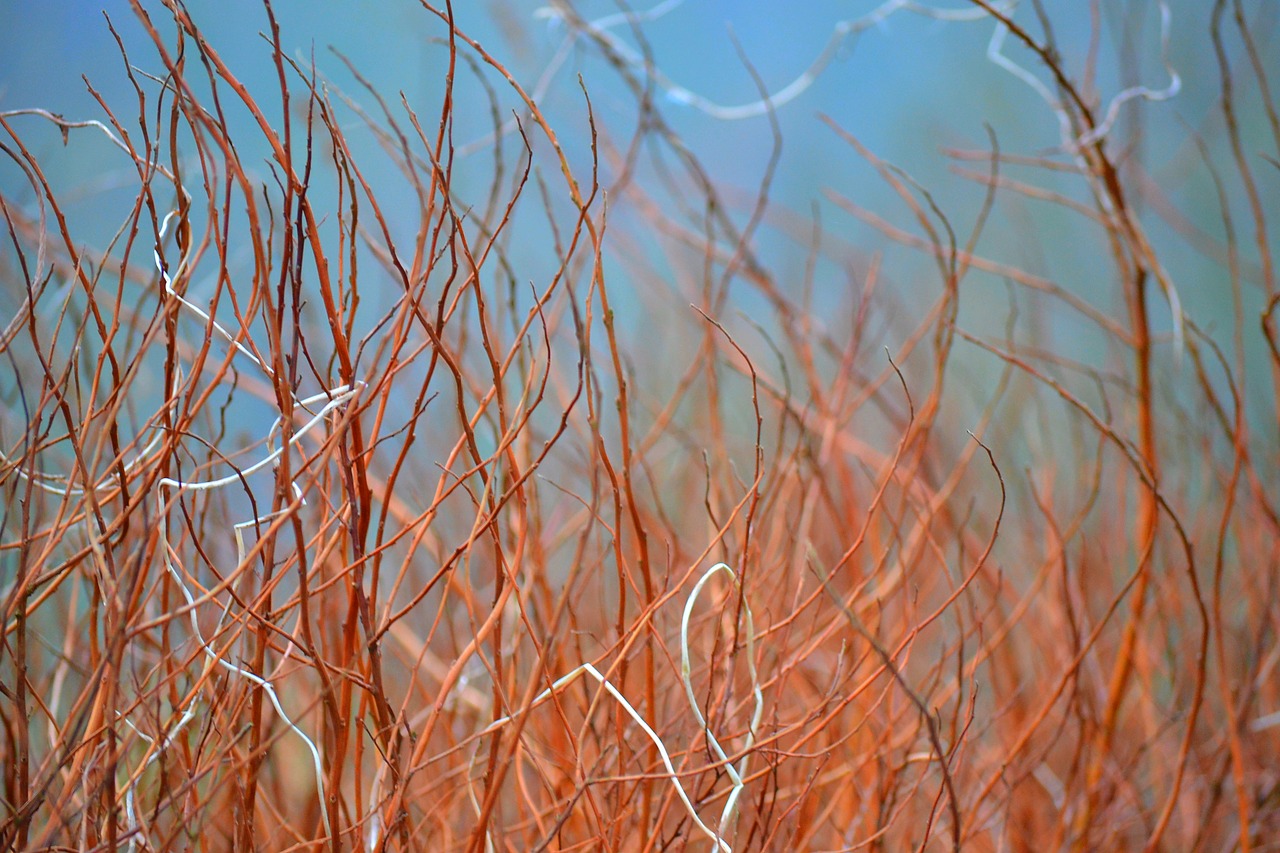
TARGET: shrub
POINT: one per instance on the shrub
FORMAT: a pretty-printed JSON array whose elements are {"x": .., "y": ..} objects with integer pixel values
[{"x": 533, "y": 485}]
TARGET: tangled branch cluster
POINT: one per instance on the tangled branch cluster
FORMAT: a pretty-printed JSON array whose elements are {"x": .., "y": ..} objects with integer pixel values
[{"x": 323, "y": 492}]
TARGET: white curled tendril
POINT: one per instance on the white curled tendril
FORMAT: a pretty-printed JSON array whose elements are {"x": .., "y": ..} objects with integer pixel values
[{"x": 735, "y": 774}]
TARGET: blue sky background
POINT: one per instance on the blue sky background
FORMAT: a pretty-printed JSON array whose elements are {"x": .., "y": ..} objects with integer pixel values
[{"x": 907, "y": 87}]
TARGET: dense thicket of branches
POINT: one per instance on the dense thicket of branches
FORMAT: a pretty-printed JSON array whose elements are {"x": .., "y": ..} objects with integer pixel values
[{"x": 458, "y": 512}]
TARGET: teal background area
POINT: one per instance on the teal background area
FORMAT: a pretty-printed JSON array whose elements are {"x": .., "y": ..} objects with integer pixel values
[{"x": 907, "y": 87}]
